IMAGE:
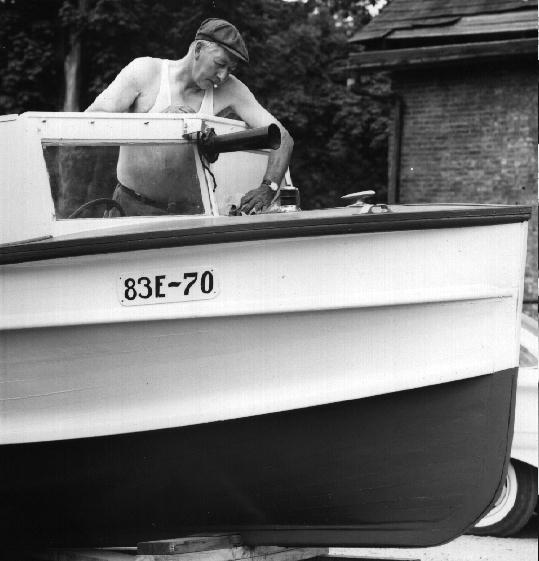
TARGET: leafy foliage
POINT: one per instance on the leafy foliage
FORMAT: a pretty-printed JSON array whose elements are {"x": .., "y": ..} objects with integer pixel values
[
  {"x": 295, "y": 48},
  {"x": 29, "y": 66}
]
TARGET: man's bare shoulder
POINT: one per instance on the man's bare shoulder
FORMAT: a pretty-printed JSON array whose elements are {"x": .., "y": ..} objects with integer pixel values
[
  {"x": 233, "y": 93},
  {"x": 144, "y": 69},
  {"x": 234, "y": 87},
  {"x": 131, "y": 88}
]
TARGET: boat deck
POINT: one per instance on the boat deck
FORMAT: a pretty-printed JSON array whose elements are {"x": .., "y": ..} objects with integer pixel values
[{"x": 149, "y": 233}]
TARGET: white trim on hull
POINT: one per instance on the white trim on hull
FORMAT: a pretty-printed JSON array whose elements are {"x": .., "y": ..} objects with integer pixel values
[
  {"x": 240, "y": 354},
  {"x": 275, "y": 276}
]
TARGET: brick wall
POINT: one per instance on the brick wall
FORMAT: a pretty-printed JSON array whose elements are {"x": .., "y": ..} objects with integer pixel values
[{"x": 470, "y": 135}]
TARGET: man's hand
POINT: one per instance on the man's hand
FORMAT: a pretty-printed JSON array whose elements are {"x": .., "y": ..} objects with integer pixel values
[{"x": 257, "y": 200}]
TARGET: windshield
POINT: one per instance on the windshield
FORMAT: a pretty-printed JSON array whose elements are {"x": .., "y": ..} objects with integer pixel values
[{"x": 96, "y": 181}]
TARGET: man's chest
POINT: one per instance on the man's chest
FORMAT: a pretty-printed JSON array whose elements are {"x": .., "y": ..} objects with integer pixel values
[
  {"x": 159, "y": 97},
  {"x": 172, "y": 99},
  {"x": 189, "y": 99}
]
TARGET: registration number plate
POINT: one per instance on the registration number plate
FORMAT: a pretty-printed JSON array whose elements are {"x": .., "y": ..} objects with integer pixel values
[{"x": 188, "y": 283}]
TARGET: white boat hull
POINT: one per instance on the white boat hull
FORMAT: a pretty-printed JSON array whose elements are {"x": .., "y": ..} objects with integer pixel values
[{"x": 296, "y": 323}]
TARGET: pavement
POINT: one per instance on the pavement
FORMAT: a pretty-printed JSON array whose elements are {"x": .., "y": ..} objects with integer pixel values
[{"x": 521, "y": 547}]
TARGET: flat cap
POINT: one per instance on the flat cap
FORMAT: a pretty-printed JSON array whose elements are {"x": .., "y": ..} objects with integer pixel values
[{"x": 224, "y": 34}]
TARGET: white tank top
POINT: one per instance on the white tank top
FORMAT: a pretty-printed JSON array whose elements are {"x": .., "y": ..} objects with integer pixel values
[
  {"x": 135, "y": 163},
  {"x": 163, "y": 99}
]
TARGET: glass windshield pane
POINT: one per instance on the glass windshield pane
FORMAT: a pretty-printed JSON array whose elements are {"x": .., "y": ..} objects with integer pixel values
[{"x": 124, "y": 180}]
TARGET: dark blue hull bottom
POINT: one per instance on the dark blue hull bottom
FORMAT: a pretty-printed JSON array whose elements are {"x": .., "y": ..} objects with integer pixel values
[{"x": 413, "y": 468}]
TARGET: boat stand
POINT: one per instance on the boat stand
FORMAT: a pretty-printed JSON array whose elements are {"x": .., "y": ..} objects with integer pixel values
[
  {"x": 230, "y": 547},
  {"x": 222, "y": 547},
  {"x": 215, "y": 547}
]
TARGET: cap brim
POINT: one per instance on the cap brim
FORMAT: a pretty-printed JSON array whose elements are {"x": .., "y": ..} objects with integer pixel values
[
  {"x": 234, "y": 53},
  {"x": 237, "y": 54}
]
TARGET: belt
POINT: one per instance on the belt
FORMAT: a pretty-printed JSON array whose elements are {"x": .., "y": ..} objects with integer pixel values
[{"x": 171, "y": 207}]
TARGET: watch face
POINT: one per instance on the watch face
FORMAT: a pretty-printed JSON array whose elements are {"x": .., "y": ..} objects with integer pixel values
[{"x": 271, "y": 184}]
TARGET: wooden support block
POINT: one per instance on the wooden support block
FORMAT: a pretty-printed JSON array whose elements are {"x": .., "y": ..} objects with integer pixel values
[
  {"x": 241, "y": 553},
  {"x": 354, "y": 558},
  {"x": 189, "y": 544},
  {"x": 220, "y": 547}
]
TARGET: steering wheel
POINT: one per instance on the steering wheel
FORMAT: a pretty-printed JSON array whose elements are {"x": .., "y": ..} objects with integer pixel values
[{"x": 109, "y": 203}]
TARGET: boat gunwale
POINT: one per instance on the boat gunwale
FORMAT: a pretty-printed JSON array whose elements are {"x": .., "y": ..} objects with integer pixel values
[{"x": 273, "y": 226}]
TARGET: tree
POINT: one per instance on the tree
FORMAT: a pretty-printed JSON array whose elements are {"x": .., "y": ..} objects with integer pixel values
[{"x": 30, "y": 65}]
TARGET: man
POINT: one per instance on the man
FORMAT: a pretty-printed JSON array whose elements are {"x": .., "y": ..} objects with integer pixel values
[{"x": 158, "y": 180}]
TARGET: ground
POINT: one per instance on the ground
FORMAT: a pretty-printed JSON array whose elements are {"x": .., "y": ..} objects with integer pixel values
[{"x": 521, "y": 547}]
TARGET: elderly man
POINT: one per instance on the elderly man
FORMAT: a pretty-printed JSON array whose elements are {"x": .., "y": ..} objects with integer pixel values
[{"x": 156, "y": 180}]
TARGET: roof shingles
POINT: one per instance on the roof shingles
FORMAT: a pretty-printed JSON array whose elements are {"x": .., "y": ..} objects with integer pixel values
[{"x": 405, "y": 14}]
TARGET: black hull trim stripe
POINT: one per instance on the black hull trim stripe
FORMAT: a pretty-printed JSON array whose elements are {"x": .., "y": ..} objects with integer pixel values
[{"x": 268, "y": 230}]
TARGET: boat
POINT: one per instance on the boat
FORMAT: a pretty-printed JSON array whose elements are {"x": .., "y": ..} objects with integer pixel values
[{"x": 339, "y": 377}]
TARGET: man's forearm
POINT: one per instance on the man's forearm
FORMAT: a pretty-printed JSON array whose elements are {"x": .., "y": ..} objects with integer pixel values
[{"x": 279, "y": 159}]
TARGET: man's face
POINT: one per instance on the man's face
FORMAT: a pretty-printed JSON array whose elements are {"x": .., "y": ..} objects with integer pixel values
[{"x": 212, "y": 66}]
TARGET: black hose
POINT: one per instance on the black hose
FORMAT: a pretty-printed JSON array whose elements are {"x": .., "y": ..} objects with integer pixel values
[{"x": 212, "y": 145}]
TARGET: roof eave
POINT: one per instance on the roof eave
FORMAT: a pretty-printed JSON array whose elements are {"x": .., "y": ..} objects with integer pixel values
[{"x": 394, "y": 59}]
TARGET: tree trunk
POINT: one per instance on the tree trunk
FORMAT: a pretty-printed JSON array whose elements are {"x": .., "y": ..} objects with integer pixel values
[
  {"x": 72, "y": 76},
  {"x": 72, "y": 66}
]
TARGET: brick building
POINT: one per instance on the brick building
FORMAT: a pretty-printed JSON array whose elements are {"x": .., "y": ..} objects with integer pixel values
[{"x": 464, "y": 125}]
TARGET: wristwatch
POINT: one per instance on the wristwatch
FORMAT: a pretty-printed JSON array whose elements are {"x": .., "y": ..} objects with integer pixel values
[{"x": 271, "y": 184}]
